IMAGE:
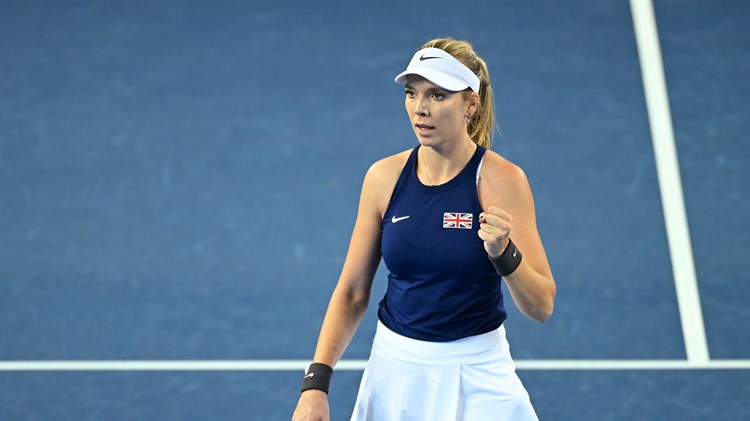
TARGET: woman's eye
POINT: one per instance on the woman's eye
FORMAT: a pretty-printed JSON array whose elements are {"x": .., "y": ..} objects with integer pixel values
[
  {"x": 438, "y": 96},
  {"x": 410, "y": 94}
]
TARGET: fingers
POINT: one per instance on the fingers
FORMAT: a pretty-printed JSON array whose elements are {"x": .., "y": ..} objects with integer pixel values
[
  {"x": 494, "y": 229},
  {"x": 493, "y": 218},
  {"x": 494, "y": 232},
  {"x": 485, "y": 236},
  {"x": 495, "y": 240}
]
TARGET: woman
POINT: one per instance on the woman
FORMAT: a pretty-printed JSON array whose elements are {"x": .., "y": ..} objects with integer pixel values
[{"x": 442, "y": 216}]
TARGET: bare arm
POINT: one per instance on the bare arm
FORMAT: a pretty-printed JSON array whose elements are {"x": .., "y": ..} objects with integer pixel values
[
  {"x": 510, "y": 213},
  {"x": 351, "y": 296},
  {"x": 350, "y": 299}
]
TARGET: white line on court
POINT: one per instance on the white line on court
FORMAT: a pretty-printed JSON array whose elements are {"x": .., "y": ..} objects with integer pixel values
[
  {"x": 350, "y": 365},
  {"x": 670, "y": 185}
]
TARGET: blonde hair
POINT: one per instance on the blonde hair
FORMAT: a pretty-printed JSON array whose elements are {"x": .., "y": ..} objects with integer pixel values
[{"x": 481, "y": 126}]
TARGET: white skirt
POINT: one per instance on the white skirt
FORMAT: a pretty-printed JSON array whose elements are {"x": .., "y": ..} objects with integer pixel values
[{"x": 471, "y": 379}]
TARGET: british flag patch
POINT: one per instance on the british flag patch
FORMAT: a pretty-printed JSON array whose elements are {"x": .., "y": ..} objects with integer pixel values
[{"x": 457, "y": 220}]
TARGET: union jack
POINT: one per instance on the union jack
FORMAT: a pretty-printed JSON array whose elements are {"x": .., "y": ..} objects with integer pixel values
[{"x": 457, "y": 220}]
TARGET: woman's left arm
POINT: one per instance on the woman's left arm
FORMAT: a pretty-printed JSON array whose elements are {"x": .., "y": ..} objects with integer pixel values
[{"x": 509, "y": 213}]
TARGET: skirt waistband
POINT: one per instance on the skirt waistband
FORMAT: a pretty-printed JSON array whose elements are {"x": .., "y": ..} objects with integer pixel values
[{"x": 486, "y": 347}]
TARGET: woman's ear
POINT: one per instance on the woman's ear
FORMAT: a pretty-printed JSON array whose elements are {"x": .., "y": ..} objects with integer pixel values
[{"x": 473, "y": 103}]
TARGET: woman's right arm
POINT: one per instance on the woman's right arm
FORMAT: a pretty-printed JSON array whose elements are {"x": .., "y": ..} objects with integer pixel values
[{"x": 350, "y": 299}]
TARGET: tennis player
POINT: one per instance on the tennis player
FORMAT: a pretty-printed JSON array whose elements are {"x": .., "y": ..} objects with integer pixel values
[{"x": 452, "y": 220}]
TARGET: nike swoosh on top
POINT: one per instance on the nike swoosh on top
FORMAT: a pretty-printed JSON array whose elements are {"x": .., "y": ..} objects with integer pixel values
[
  {"x": 423, "y": 58},
  {"x": 401, "y": 218}
]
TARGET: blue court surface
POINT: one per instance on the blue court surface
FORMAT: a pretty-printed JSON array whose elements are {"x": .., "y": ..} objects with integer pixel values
[{"x": 179, "y": 180}]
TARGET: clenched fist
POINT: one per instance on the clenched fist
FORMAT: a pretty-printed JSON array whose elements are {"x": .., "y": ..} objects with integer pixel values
[{"x": 494, "y": 230}]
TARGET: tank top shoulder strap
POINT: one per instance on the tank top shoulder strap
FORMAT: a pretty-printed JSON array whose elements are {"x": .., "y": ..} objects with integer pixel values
[
  {"x": 404, "y": 176},
  {"x": 475, "y": 164}
]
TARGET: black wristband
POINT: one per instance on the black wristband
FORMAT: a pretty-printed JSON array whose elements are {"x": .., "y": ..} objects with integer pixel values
[
  {"x": 507, "y": 263},
  {"x": 318, "y": 377}
]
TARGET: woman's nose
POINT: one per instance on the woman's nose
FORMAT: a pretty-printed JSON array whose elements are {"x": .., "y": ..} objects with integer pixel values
[{"x": 421, "y": 107}]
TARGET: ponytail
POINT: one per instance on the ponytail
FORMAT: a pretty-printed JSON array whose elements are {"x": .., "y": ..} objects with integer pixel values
[{"x": 481, "y": 127}]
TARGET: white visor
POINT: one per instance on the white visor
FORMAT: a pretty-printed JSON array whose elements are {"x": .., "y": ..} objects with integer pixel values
[{"x": 442, "y": 69}]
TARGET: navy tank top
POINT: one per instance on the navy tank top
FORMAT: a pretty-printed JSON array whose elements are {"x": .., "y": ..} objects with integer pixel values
[{"x": 441, "y": 285}]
